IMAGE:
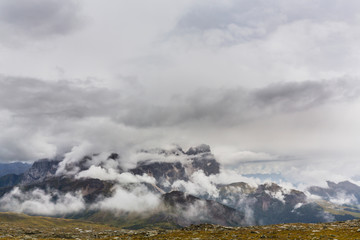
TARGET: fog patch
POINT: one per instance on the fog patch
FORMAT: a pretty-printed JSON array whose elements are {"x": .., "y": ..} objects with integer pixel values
[
  {"x": 112, "y": 175},
  {"x": 342, "y": 198},
  {"x": 198, "y": 185},
  {"x": 38, "y": 202},
  {"x": 138, "y": 199}
]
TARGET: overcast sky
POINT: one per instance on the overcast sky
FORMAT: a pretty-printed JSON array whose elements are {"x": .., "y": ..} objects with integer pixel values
[{"x": 271, "y": 85}]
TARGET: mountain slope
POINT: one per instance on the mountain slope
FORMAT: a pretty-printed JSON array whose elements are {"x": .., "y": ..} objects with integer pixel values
[
  {"x": 10, "y": 180},
  {"x": 13, "y": 168},
  {"x": 177, "y": 209}
]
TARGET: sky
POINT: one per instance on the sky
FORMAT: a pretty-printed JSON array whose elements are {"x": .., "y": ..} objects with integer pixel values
[{"x": 271, "y": 85}]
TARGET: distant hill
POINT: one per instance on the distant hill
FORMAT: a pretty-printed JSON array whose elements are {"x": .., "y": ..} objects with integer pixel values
[
  {"x": 13, "y": 168},
  {"x": 10, "y": 180}
]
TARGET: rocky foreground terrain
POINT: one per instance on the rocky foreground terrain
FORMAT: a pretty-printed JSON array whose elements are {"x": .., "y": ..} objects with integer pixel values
[{"x": 20, "y": 226}]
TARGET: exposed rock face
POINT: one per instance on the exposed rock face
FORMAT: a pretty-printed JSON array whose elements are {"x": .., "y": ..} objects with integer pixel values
[
  {"x": 270, "y": 203},
  {"x": 46, "y": 168},
  {"x": 40, "y": 170},
  {"x": 273, "y": 204},
  {"x": 87, "y": 161},
  {"x": 161, "y": 171},
  {"x": 179, "y": 198},
  {"x": 235, "y": 189},
  {"x": 203, "y": 148},
  {"x": 195, "y": 159},
  {"x": 263, "y": 193},
  {"x": 207, "y": 164},
  {"x": 272, "y": 196},
  {"x": 336, "y": 190},
  {"x": 91, "y": 189},
  {"x": 187, "y": 209}
]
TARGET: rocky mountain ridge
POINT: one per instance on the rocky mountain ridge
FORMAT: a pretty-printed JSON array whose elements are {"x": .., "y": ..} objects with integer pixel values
[
  {"x": 13, "y": 168},
  {"x": 233, "y": 204}
]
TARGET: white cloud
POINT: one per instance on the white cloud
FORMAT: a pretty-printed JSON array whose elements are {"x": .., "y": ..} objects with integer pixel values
[
  {"x": 110, "y": 174},
  {"x": 342, "y": 198},
  {"x": 73, "y": 157},
  {"x": 138, "y": 199},
  {"x": 40, "y": 203},
  {"x": 231, "y": 156},
  {"x": 198, "y": 184}
]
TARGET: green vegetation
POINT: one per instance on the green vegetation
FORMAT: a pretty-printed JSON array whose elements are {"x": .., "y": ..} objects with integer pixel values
[
  {"x": 20, "y": 226},
  {"x": 22, "y": 220},
  {"x": 341, "y": 210},
  {"x": 149, "y": 220}
]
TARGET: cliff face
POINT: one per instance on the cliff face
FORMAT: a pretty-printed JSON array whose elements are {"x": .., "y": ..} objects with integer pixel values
[
  {"x": 40, "y": 170},
  {"x": 269, "y": 203},
  {"x": 166, "y": 173},
  {"x": 195, "y": 159}
]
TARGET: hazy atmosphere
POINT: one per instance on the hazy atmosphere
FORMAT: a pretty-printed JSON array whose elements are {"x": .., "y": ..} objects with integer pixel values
[{"x": 272, "y": 86}]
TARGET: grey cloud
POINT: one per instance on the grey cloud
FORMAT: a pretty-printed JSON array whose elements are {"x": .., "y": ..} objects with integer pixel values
[
  {"x": 231, "y": 107},
  {"x": 303, "y": 95},
  {"x": 40, "y": 118},
  {"x": 215, "y": 15},
  {"x": 34, "y": 98},
  {"x": 40, "y": 18},
  {"x": 39, "y": 202},
  {"x": 245, "y": 20}
]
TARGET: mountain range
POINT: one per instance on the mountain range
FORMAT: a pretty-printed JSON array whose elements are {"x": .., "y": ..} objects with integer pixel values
[
  {"x": 13, "y": 168},
  {"x": 165, "y": 189}
]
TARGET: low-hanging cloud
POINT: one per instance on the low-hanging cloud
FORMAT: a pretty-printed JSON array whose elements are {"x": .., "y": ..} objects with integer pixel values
[
  {"x": 111, "y": 175},
  {"x": 138, "y": 199},
  {"x": 199, "y": 185},
  {"x": 39, "y": 202}
]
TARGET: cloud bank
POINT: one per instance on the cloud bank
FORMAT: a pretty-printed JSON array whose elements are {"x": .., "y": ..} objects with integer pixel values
[{"x": 38, "y": 202}]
